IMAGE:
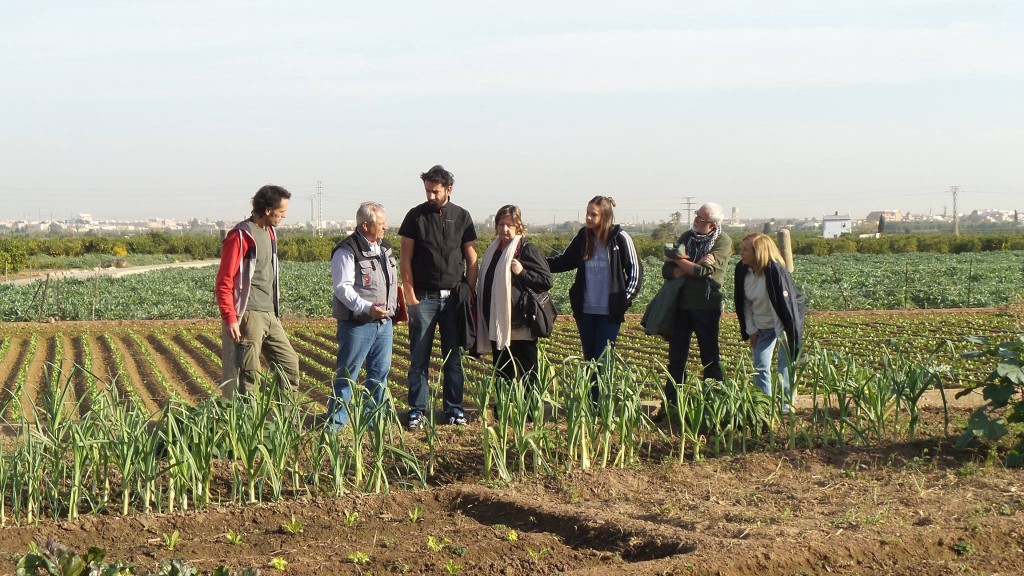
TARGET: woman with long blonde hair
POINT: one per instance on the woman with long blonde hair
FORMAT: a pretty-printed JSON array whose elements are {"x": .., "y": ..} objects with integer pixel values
[{"x": 770, "y": 309}]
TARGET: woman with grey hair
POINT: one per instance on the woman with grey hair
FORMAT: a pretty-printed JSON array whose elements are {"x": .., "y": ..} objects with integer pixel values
[{"x": 704, "y": 252}]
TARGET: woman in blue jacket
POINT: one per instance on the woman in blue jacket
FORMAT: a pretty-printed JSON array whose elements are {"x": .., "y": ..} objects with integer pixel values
[
  {"x": 608, "y": 276},
  {"x": 770, "y": 308}
]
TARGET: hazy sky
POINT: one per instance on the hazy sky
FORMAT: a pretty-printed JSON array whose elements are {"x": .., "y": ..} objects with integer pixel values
[{"x": 184, "y": 108}]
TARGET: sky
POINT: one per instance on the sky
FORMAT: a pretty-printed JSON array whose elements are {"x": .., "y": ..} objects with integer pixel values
[{"x": 786, "y": 108}]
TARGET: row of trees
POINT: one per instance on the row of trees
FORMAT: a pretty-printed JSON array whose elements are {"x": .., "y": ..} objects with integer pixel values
[{"x": 16, "y": 252}]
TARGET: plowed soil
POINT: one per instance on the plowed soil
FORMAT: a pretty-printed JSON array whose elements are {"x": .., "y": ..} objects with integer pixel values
[
  {"x": 909, "y": 509},
  {"x": 905, "y": 509}
]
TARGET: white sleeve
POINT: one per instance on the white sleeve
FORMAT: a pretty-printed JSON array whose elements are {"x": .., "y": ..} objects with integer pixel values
[{"x": 343, "y": 275}]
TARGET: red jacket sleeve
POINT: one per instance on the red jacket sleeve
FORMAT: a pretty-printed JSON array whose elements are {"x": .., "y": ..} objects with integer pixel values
[{"x": 224, "y": 285}]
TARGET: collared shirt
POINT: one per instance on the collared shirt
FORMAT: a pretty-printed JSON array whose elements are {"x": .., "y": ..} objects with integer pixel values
[{"x": 343, "y": 276}]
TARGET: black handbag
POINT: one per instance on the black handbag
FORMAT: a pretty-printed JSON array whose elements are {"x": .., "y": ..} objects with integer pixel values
[{"x": 537, "y": 311}]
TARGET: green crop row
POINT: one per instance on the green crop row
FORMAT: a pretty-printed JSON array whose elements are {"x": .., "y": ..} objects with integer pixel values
[{"x": 838, "y": 282}]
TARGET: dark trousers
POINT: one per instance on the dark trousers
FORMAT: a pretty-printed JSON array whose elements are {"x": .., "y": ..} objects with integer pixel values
[
  {"x": 519, "y": 360},
  {"x": 687, "y": 322}
]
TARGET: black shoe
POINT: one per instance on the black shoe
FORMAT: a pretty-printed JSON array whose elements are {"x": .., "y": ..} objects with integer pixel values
[
  {"x": 414, "y": 422},
  {"x": 457, "y": 419}
]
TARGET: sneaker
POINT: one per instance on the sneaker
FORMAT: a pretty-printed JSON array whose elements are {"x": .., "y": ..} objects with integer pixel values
[
  {"x": 457, "y": 419},
  {"x": 415, "y": 421}
]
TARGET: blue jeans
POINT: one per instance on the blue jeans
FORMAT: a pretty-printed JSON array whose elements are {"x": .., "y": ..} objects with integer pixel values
[
  {"x": 359, "y": 343},
  {"x": 762, "y": 351},
  {"x": 597, "y": 331},
  {"x": 431, "y": 313},
  {"x": 705, "y": 324}
]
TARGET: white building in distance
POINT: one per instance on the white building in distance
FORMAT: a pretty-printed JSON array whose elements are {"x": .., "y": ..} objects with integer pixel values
[{"x": 835, "y": 225}]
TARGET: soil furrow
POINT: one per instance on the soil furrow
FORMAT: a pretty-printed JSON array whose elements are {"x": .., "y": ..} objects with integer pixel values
[
  {"x": 139, "y": 377},
  {"x": 175, "y": 372}
]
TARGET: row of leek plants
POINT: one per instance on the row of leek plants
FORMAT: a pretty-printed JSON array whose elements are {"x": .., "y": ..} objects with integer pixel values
[
  {"x": 263, "y": 446},
  {"x": 267, "y": 445},
  {"x": 591, "y": 414}
]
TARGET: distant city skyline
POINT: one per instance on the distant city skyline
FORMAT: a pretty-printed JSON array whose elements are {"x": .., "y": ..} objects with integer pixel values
[
  {"x": 87, "y": 221},
  {"x": 790, "y": 108}
]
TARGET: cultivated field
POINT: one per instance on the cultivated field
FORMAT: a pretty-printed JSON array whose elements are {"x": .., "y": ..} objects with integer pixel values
[
  {"x": 831, "y": 490},
  {"x": 113, "y": 441},
  {"x": 153, "y": 361}
]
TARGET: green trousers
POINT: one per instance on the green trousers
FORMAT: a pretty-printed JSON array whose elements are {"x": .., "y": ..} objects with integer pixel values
[{"x": 262, "y": 332}]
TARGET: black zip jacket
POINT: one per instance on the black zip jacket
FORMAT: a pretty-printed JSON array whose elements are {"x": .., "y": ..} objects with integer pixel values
[{"x": 623, "y": 263}]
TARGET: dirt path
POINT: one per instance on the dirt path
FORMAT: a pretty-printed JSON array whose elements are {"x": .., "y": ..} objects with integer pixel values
[{"x": 31, "y": 277}]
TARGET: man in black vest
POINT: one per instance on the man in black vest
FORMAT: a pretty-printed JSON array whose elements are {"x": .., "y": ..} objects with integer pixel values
[
  {"x": 438, "y": 249},
  {"x": 365, "y": 278}
]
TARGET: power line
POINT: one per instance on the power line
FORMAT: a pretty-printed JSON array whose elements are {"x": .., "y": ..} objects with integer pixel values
[{"x": 688, "y": 203}]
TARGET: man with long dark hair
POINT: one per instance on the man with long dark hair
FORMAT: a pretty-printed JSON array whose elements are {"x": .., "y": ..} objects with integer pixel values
[{"x": 247, "y": 294}]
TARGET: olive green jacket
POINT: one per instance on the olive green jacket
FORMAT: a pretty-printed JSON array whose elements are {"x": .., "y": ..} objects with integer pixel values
[{"x": 703, "y": 291}]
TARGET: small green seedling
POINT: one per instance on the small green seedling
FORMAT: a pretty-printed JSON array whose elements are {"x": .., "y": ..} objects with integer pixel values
[
  {"x": 457, "y": 550},
  {"x": 537, "y": 554},
  {"x": 359, "y": 557},
  {"x": 171, "y": 540},
  {"x": 451, "y": 567},
  {"x": 963, "y": 548},
  {"x": 437, "y": 544},
  {"x": 278, "y": 563},
  {"x": 512, "y": 535},
  {"x": 233, "y": 537},
  {"x": 416, "y": 514},
  {"x": 294, "y": 526},
  {"x": 350, "y": 518}
]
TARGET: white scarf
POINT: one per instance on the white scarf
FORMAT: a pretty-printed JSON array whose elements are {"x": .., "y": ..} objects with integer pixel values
[{"x": 500, "y": 329}]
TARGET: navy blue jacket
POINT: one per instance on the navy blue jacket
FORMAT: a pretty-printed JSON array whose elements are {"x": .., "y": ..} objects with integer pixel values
[{"x": 786, "y": 300}]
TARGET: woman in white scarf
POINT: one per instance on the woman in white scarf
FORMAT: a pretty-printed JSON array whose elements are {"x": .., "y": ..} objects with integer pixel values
[{"x": 509, "y": 264}]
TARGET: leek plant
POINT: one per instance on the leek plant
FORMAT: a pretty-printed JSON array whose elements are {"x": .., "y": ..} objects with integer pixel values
[
  {"x": 204, "y": 436},
  {"x": 831, "y": 373},
  {"x": 495, "y": 435},
  {"x": 575, "y": 378},
  {"x": 339, "y": 457},
  {"x": 247, "y": 418},
  {"x": 124, "y": 429},
  {"x": 912, "y": 379},
  {"x": 384, "y": 441},
  {"x": 526, "y": 417},
  {"x": 282, "y": 437},
  {"x": 5, "y": 481}
]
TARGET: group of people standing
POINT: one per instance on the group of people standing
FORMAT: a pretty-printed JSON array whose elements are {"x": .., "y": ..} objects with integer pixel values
[{"x": 475, "y": 305}]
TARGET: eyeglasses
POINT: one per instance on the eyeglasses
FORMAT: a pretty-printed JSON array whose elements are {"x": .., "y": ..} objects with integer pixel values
[{"x": 701, "y": 220}]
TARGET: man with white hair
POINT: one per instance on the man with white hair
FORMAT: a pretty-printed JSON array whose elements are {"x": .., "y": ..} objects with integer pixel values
[
  {"x": 706, "y": 250},
  {"x": 364, "y": 274}
]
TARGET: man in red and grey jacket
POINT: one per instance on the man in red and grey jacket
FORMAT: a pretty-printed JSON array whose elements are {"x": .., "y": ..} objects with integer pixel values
[{"x": 248, "y": 297}]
